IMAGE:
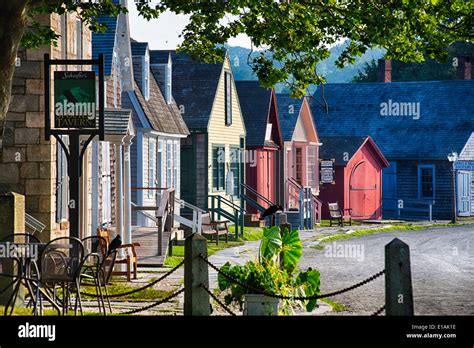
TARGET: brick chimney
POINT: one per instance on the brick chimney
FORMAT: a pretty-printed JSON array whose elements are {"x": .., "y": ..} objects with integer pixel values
[
  {"x": 385, "y": 70},
  {"x": 464, "y": 68}
]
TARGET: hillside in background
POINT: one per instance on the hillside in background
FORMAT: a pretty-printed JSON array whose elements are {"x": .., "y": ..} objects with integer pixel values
[{"x": 242, "y": 71}]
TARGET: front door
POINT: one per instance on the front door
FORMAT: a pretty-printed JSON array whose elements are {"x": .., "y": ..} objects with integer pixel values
[
  {"x": 362, "y": 191},
  {"x": 389, "y": 191},
  {"x": 463, "y": 193}
]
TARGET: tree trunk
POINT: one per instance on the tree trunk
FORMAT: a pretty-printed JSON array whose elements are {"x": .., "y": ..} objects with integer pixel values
[{"x": 13, "y": 19}]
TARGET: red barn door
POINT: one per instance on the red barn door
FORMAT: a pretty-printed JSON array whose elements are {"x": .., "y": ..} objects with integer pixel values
[{"x": 363, "y": 191}]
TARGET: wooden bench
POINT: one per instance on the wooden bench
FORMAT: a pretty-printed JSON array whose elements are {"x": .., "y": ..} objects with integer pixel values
[
  {"x": 212, "y": 228},
  {"x": 338, "y": 214}
]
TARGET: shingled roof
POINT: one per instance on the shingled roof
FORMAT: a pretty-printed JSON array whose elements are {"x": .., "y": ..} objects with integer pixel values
[
  {"x": 194, "y": 86},
  {"x": 159, "y": 115},
  {"x": 288, "y": 112},
  {"x": 255, "y": 105},
  {"x": 445, "y": 123},
  {"x": 104, "y": 43}
]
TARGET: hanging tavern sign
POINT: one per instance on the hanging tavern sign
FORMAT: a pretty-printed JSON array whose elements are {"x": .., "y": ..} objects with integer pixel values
[{"x": 74, "y": 99}]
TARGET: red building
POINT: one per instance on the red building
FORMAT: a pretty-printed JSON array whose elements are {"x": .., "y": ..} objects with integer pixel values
[
  {"x": 357, "y": 176},
  {"x": 263, "y": 144}
]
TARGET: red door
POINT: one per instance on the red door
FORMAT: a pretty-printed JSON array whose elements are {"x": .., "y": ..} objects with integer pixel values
[{"x": 362, "y": 191}]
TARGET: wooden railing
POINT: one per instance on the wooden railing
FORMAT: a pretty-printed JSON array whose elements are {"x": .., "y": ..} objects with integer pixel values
[
  {"x": 165, "y": 215},
  {"x": 196, "y": 223},
  {"x": 235, "y": 215}
]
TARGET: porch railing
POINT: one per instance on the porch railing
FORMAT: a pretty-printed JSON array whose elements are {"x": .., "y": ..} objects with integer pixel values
[{"x": 222, "y": 207}]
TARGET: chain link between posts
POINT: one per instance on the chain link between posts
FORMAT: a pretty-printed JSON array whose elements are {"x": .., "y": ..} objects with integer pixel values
[{"x": 293, "y": 298}]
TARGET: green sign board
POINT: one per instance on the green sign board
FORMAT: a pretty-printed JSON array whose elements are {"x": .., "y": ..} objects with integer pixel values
[{"x": 74, "y": 99}]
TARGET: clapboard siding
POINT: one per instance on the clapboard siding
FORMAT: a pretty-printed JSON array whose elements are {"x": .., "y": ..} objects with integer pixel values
[
  {"x": 467, "y": 154},
  {"x": 218, "y": 132},
  {"x": 407, "y": 185}
]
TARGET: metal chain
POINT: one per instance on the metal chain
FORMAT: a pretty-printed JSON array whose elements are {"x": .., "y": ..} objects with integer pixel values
[
  {"x": 294, "y": 298},
  {"x": 166, "y": 299},
  {"x": 218, "y": 300},
  {"x": 378, "y": 311},
  {"x": 142, "y": 288}
]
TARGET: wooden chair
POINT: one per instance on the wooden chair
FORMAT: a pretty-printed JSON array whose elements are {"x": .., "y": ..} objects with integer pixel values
[
  {"x": 130, "y": 255},
  {"x": 212, "y": 228},
  {"x": 339, "y": 215}
]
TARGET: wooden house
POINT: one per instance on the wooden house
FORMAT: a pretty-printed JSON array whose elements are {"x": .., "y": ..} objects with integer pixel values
[
  {"x": 299, "y": 167},
  {"x": 263, "y": 145},
  {"x": 416, "y": 125},
  {"x": 155, "y": 153},
  {"x": 357, "y": 185},
  {"x": 207, "y": 99}
]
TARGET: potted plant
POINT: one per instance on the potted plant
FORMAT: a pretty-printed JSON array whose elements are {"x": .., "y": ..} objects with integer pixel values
[{"x": 274, "y": 272}]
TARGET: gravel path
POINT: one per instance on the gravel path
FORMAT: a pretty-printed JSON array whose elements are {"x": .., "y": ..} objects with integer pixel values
[{"x": 442, "y": 262}]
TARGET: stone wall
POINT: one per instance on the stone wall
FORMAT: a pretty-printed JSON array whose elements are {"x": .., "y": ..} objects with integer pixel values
[{"x": 27, "y": 160}]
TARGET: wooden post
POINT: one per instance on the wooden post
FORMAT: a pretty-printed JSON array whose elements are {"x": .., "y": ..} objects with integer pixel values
[
  {"x": 12, "y": 220},
  {"x": 196, "y": 272},
  {"x": 283, "y": 225},
  {"x": 398, "y": 287}
]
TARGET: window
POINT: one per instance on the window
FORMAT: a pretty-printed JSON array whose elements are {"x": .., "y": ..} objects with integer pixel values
[
  {"x": 426, "y": 181},
  {"x": 146, "y": 77},
  {"x": 161, "y": 176},
  {"x": 218, "y": 168},
  {"x": 311, "y": 164},
  {"x": 228, "y": 98},
  {"x": 114, "y": 64},
  {"x": 175, "y": 165},
  {"x": 299, "y": 165},
  {"x": 62, "y": 189},
  {"x": 64, "y": 36},
  {"x": 234, "y": 168},
  {"x": 78, "y": 39},
  {"x": 169, "y": 164},
  {"x": 151, "y": 167}
]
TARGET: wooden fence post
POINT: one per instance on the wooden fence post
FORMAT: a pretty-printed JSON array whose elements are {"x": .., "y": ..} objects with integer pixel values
[
  {"x": 196, "y": 272},
  {"x": 12, "y": 220},
  {"x": 398, "y": 287}
]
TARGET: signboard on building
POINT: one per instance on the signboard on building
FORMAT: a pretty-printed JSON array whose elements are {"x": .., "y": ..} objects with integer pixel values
[
  {"x": 75, "y": 99},
  {"x": 327, "y": 171}
]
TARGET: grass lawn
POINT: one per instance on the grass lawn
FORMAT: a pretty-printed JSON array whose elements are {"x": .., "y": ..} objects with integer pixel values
[
  {"x": 362, "y": 232},
  {"x": 250, "y": 234}
]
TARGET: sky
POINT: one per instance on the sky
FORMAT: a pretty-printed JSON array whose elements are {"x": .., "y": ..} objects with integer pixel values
[{"x": 163, "y": 33}]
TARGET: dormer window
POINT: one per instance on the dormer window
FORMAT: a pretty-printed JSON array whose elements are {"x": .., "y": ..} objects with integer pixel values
[
  {"x": 146, "y": 77},
  {"x": 228, "y": 97}
]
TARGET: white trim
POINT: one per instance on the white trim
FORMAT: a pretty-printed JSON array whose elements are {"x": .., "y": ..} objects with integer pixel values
[{"x": 138, "y": 108}]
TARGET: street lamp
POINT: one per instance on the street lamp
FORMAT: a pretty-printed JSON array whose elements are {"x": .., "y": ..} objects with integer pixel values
[{"x": 453, "y": 157}]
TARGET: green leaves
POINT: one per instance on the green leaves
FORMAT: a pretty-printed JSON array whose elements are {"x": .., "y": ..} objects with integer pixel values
[
  {"x": 292, "y": 249},
  {"x": 271, "y": 245}
]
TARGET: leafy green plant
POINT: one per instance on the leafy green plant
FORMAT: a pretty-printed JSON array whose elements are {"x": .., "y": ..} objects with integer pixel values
[{"x": 275, "y": 272}]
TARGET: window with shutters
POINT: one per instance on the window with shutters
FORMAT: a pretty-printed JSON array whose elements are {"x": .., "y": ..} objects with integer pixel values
[
  {"x": 234, "y": 168},
  {"x": 151, "y": 168}
]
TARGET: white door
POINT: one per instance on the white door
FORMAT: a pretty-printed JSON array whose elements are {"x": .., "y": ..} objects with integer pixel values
[{"x": 463, "y": 193}]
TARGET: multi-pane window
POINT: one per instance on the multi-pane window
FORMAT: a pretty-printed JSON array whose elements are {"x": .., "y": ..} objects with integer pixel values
[
  {"x": 218, "y": 168},
  {"x": 234, "y": 168},
  {"x": 175, "y": 165},
  {"x": 426, "y": 181},
  {"x": 169, "y": 164},
  {"x": 78, "y": 39},
  {"x": 161, "y": 181},
  {"x": 151, "y": 168},
  {"x": 311, "y": 165},
  {"x": 228, "y": 98},
  {"x": 299, "y": 165}
]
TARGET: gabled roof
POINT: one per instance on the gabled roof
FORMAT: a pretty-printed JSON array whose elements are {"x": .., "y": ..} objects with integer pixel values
[
  {"x": 336, "y": 148},
  {"x": 194, "y": 86},
  {"x": 288, "y": 111},
  {"x": 105, "y": 42},
  {"x": 155, "y": 113},
  {"x": 160, "y": 57},
  {"x": 117, "y": 122},
  {"x": 445, "y": 123},
  {"x": 255, "y": 103}
]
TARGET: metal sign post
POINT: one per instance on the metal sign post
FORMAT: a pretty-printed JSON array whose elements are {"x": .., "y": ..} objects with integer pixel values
[{"x": 75, "y": 114}]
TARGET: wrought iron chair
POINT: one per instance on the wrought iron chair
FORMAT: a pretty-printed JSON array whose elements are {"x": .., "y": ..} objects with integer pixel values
[
  {"x": 98, "y": 265},
  {"x": 60, "y": 263},
  {"x": 27, "y": 270}
]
